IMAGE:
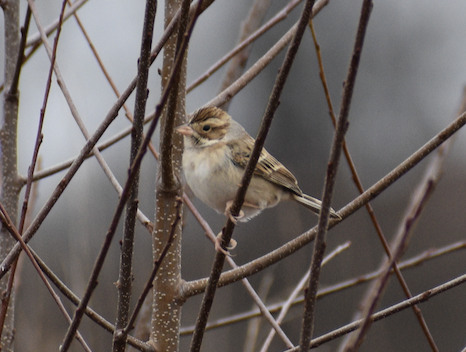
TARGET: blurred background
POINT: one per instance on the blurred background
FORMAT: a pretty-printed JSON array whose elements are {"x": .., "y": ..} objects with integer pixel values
[{"x": 409, "y": 87}]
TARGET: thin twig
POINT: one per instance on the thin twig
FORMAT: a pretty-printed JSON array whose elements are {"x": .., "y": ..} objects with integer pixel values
[
  {"x": 93, "y": 315},
  {"x": 35, "y": 39},
  {"x": 272, "y": 105},
  {"x": 198, "y": 286},
  {"x": 299, "y": 287},
  {"x": 257, "y": 300},
  {"x": 125, "y": 278},
  {"x": 272, "y": 22},
  {"x": 419, "y": 199},
  {"x": 427, "y": 183},
  {"x": 58, "y": 191},
  {"x": 124, "y": 196},
  {"x": 8, "y": 224},
  {"x": 422, "y": 297},
  {"x": 121, "y": 99},
  {"x": 358, "y": 183},
  {"x": 409, "y": 263},
  {"x": 342, "y": 126},
  {"x": 20, "y": 60},
  {"x": 254, "y": 325},
  {"x": 157, "y": 263},
  {"x": 399, "y": 248},
  {"x": 6, "y": 295},
  {"x": 238, "y": 63},
  {"x": 260, "y": 64}
]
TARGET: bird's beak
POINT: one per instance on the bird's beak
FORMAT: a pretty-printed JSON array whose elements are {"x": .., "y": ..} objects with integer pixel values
[{"x": 185, "y": 130}]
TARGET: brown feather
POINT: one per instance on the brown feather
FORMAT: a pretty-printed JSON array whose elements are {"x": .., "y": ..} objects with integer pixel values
[{"x": 267, "y": 167}]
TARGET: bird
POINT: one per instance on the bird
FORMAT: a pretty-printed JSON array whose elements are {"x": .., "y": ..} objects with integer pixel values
[{"x": 216, "y": 152}]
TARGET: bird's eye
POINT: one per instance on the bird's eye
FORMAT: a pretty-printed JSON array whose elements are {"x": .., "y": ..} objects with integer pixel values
[{"x": 206, "y": 128}]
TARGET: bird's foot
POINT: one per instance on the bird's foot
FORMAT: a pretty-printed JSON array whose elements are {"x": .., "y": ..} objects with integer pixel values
[
  {"x": 219, "y": 248},
  {"x": 234, "y": 219}
]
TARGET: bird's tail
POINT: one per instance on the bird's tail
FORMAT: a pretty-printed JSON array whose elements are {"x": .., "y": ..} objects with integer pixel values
[{"x": 313, "y": 204}]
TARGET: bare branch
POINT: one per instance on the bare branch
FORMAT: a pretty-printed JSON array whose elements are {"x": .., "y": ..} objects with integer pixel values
[
  {"x": 124, "y": 196},
  {"x": 409, "y": 263},
  {"x": 272, "y": 22},
  {"x": 9, "y": 180},
  {"x": 250, "y": 74},
  {"x": 402, "y": 238},
  {"x": 401, "y": 242},
  {"x": 166, "y": 309},
  {"x": 8, "y": 223},
  {"x": 369, "y": 208},
  {"x": 36, "y": 38},
  {"x": 299, "y": 287},
  {"x": 198, "y": 286},
  {"x": 422, "y": 297},
  {"x": 310, "y": 294},
  {"x": 260, "y": 304},
  {"x": 272, "y": 105},
  {"x": 89, "y": 311},
  {"x": 157, "y": 264},
  {"x": 125, "y": 278},
  {"x": 238, "y": 63}
]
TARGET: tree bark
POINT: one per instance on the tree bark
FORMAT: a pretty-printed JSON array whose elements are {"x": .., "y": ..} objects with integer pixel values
[{"x": 10, "y": 185}]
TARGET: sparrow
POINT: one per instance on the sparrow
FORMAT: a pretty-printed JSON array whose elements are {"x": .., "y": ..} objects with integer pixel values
[{"x": 216, "y": 152}]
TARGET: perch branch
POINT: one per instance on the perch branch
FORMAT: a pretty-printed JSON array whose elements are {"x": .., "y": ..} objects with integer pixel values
[
  {"x": 198, "y": 286},
  {"x": 241, "y": 193}
]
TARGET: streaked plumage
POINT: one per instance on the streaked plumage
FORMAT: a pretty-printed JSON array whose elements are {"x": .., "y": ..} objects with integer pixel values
[{"x": 217, "y": 150}]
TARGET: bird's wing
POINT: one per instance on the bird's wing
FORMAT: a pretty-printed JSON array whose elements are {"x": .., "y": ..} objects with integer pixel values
[{"x": 267, "y": 167}]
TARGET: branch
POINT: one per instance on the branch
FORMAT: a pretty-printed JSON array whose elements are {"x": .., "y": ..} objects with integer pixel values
[
  {"x": 20, "y": 59},
  {"x": 310, "y": 293},
  {"x": 409, "y": 263},
  {"x": 157, "y": 264},
  {"x": 404, "y": 233},
  {"x": 260, "y": 64},
  {"x": 8, "y": 223},
  {"x": 360, "y": 188},
  {"x": 198, "y": 286},
  {"x": 125, "y": 278},
  {"x": 238, "y": 63},
  {"x": 422, "y": 297},
  {"x": 264, "y": 311},
  {"x": 124, "y": 196},
  {"x": 272, "y": 22},
  {"x": 93, "y": 315},
  {"x": 9, "y": 180},
  {"x": 241, "y": 193},
  {"x": 299, "y": 287},
  {"x": 36, "y": 38},
  {"x": 166, "y": 309}
]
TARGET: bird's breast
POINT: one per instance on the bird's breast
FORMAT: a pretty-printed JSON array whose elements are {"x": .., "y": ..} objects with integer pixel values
[{"x": 212, "y": 176}]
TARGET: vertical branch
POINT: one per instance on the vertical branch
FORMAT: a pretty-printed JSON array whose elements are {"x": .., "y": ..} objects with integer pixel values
[
  {"x": 126, "y": 262},
  {"x": 166, "y": 307},
  {"x": 10, "y": 185},
  {"x": 370, "y": 210},
  {"x": 310, "y": 293}
]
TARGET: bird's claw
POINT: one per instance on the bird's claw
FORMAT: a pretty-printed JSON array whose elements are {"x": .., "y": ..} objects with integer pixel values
[
  {"x": 234, "y": 219},
  {"x": 219, "y": 248}
]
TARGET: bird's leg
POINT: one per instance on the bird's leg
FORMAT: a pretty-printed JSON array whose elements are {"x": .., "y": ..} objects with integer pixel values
[{"x": 218, "y": 244}]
